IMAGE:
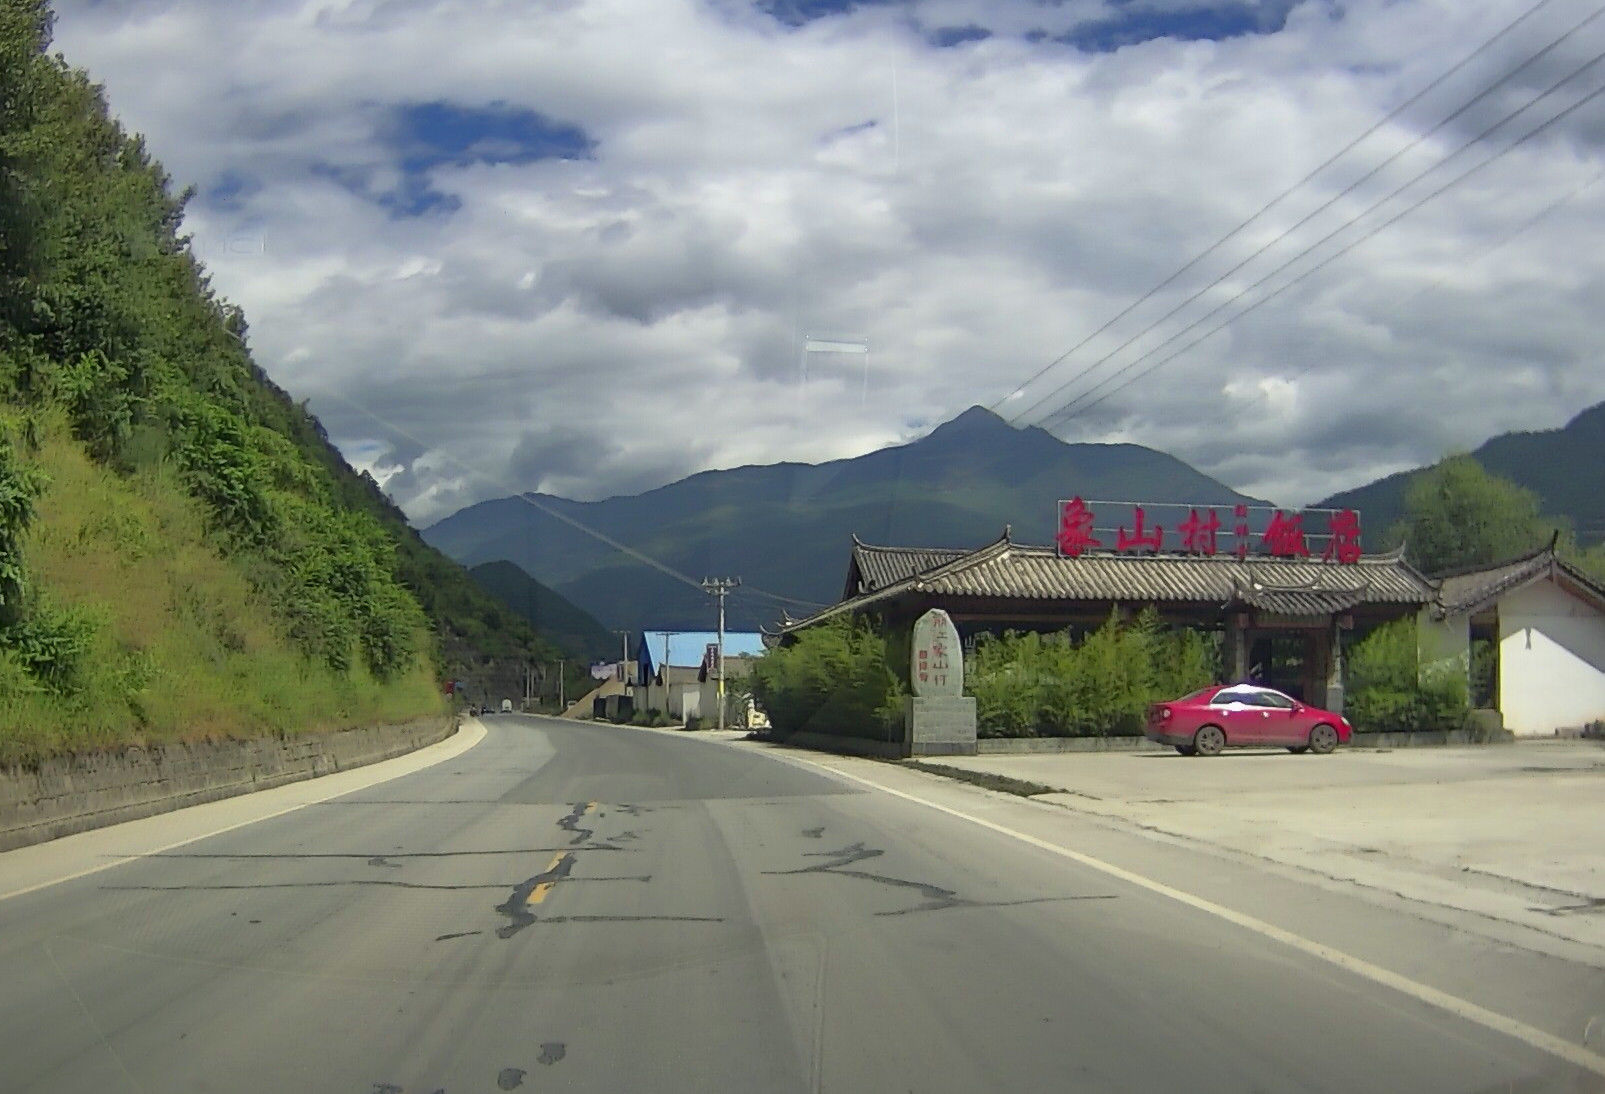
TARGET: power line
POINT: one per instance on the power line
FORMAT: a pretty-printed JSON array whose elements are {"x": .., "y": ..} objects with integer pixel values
[
  {"x": 624, "y": 548},
  {"x": 1334, "y": 256},
  {"x": 1288, "y": 193},
  {"x": 1596, "y": 59},
  {"x": 1527, "y": 225}
]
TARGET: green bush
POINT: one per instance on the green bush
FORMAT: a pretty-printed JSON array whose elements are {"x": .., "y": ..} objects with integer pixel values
[
  {"x": 51, "y": 644},
  {"x": 20, "y": 487},
  {"x": 833, "y": 678},
  {"x": 1388, "y": 692},
  {"x": 1034, "y": 685}
]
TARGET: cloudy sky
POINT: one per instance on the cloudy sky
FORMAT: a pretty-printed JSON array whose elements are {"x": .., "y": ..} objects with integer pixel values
[{"x": 578, "y": 245}]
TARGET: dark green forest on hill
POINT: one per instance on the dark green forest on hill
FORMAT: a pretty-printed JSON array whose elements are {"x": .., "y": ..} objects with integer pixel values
[{"x": 182, "y": 551}]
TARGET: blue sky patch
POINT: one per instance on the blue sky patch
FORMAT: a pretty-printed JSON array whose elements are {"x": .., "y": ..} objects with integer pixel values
[
  {"x": 424, "y": 136},
  {"x": 413, "y": 197},
  {"x": 796, "y": 13},
  {"x": 947, "y": 37},
  {"x": 230, "y": 191},
  {"x": 1205, "y": 23},
  {"x": 430, "y": 134},
  {"x": 1133, "y": 21}
]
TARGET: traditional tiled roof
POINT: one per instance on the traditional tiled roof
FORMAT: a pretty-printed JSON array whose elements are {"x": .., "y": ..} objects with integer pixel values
[
  {"x": 1012, "y": 571},
  {"x": 1472, "y": 590},
  {"x": 1467, "y": 592},
  {"x": 873, "y": 568}
]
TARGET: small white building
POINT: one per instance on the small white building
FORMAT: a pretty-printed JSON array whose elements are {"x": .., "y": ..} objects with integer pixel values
[
  {"x": 693, "y": 691},
  {"x": 1538, "y": 624}
]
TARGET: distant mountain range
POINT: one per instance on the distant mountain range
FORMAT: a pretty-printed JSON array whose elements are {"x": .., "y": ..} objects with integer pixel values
[
  {"x": 785, "y": 529},
  {"x": 1565, "y": 467},
  {"x": 570, "y": 628}
]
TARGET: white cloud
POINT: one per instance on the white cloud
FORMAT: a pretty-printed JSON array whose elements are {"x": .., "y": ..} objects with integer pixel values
[{"x": 606, "y": 324}]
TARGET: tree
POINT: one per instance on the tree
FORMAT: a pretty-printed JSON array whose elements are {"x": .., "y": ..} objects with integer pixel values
[{"x": 1458, "y": 515}]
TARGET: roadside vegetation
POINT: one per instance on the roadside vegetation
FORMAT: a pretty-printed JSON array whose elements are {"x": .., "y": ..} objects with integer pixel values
[
  {"x": 1055, "y": 685},
  {"x": 1389, "y": 691},
  {"x": 182, "y": 552},
  {"x": 1460, "y": 516},
  {"x": 839, "y": 678},
  {"x": 835, "y": 678}
]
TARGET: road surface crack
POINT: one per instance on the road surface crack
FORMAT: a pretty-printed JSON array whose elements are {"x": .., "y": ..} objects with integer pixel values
[{"x": 936, "y": 897}]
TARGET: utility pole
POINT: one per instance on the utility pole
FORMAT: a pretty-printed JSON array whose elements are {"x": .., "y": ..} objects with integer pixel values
[
  {"x": 666, "y": 703},
  {"x": 719, "y": 588},
  {"x": 624, "y": 651},
  {"x": 561, "y": 705}
]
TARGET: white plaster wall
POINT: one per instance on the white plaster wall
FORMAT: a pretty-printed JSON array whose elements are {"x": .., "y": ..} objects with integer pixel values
[
  {"x": 1444, "y": 641},
  {"x": 1551, "y": 661}
]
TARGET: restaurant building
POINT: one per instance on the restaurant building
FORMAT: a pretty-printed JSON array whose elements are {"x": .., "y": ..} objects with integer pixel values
[{"x": 1280, "y": 603}]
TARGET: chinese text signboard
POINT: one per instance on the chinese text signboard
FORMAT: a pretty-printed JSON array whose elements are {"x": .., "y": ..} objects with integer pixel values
[
  {"x": 1324, "y": 535},
  {"x": 936, "y": 667}
]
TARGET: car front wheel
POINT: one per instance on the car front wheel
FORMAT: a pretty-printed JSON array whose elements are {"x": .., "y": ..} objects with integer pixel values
[
  {"x": 1209, "y": 741},
  {"x": 1323, "y": 739}
]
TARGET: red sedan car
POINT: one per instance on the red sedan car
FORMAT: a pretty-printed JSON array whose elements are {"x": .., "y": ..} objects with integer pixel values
[{"x": 1244, "y": 716}]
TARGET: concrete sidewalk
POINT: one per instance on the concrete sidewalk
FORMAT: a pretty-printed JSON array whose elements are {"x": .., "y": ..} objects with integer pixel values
[{"x": 1514, "y": 833}]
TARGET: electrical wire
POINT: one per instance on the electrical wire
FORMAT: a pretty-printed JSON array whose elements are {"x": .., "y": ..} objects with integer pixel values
[
  {"x": 579, "y": 525},
  {"x": 1590, "y": 97},
  {"x": 1333, "y": 200}
]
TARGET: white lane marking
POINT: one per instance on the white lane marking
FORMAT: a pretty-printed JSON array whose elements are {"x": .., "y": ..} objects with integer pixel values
[
  {"x": 1453, "y": 1004},
  {"x": 467, "y": 736}
]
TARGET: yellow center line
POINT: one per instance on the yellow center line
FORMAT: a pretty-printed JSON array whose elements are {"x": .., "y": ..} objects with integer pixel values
[{"x": 538, "y": 894}]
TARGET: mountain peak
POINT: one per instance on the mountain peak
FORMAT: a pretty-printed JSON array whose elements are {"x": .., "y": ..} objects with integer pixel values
[
  {"x": 1590, "y": 421},
  {"x": 975, "y": 421}
]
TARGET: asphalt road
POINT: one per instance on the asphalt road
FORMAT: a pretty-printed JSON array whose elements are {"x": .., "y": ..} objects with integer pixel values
[{"x": 585, "y": 908}]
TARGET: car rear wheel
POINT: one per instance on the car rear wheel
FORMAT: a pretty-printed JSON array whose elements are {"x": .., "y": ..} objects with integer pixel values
[
  {"x": 1298, "y": 750},
  {"x": 1209, "y": 740},
  {"x": 1185, "y": 750},
  {"x": 1323, "y": 739}
]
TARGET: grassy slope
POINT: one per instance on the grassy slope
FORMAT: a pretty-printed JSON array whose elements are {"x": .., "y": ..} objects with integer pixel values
[{"x": 183, "y": 648}]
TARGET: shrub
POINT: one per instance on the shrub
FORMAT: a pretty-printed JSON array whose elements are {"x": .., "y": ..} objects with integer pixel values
[
  {"x": 1388, "y": 692},
  {"x": 1030, "y": 685},
  {"x": 20, "y": 487},
  {"x": 833, "y": 678},
  {"x": 52, "y": 644}
]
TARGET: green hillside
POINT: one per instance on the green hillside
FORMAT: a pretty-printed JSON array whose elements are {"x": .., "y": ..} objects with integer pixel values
[
  {"x": 1564, "y": 467},
  {"x": 560, "y": 622},
  {"x": 182, "y": 552}
]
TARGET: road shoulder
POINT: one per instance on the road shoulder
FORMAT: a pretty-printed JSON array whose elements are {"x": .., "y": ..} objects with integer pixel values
[{"x": 28, "y": 869}]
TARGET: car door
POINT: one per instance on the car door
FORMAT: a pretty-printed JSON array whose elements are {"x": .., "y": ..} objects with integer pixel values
[
  {"x": 1281, "y": 722},
  {"x": 1232, "y": 710}
]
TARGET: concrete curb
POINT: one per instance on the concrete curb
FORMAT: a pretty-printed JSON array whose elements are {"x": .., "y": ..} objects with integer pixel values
[
  {"x": 70, "y": 794},
  {"x": 1015, "y": 746},
  {"x": 850, "y": 746}
]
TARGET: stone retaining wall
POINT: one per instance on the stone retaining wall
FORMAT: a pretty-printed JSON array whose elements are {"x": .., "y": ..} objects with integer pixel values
[{"x": 74, "y": 793}]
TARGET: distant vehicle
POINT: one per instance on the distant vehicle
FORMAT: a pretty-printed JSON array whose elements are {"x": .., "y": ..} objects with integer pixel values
[
  {"x": 1244, "y": 716},
  {"x": 507, "y": 706}
]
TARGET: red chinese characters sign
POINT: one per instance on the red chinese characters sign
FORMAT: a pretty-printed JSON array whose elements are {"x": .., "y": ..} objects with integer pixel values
[{"x": 1326, "y": 535}]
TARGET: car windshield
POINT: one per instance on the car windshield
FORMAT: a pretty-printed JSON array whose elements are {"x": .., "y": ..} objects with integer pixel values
[{"x": 616, "y": 545}]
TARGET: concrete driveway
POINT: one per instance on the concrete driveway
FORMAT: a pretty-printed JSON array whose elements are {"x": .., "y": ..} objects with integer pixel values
[{"x": 1514, "y": 835}]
